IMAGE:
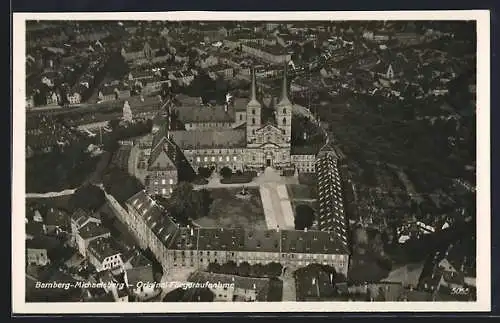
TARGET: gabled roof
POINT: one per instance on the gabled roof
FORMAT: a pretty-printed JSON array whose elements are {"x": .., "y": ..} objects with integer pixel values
[
  {"x": 91, "y": 230},
  {"x": 155, "y": 217}
]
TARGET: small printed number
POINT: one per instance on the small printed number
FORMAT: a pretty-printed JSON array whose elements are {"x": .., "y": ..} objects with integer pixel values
[{"x": 460, "y": 291}]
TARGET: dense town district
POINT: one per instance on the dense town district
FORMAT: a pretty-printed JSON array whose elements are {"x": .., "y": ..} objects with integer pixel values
[{"x": 250, "y": 161}]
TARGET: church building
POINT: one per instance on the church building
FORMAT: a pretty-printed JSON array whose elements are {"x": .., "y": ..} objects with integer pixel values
[{"x": 243, "y": 134}]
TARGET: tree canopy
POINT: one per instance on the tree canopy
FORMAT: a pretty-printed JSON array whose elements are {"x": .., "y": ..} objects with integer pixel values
[
  {"x": 88, "y": 197},
  {"x": 185, "y": 203},
  {"x": 304, "y": 217},
  {"x": 120, "y": 184}
]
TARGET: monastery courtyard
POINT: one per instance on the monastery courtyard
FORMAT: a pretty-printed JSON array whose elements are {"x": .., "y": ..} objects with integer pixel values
[{"x": 272, "y": 211}]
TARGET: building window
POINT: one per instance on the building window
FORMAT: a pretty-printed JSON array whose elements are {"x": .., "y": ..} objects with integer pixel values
[
  {"x": 198, "y": 159},
  {"x": 163, "y": 191},
  {"x": 213, "y": 158},
  {"x": 241, "y": 117},
  {"x": 220, "y": 158},
  {"x": 205, "y": 159},
  {"x": 227, "y": 158},
  {"x": 235, "y": 158},
  {"x": 171, "y": 181},
  {"x": 171, "y": 190},
  {"x": 253, "y": 120},
  {"x": 253, "y": 111},
  {"x": 163, "y": 182},
  {"x": 284, "y": 110},
  {"x": 284, "y": 120}
]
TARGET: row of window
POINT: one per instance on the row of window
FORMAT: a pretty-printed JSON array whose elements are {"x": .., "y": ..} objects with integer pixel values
[
  {"x": 213, "y": 159},
  {"x": 163, "y": 191},
  {"x": 164, "y": 182},
  {"x": 212, "y": 254}
]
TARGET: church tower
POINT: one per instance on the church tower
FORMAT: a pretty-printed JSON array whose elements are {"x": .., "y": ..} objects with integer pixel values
[
  {"x": 284, "y": 110},
  {"x": 253, "y": 112}
]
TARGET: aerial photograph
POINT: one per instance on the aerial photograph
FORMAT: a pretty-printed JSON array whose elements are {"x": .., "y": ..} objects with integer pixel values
[{"x": 250, "y": 161}]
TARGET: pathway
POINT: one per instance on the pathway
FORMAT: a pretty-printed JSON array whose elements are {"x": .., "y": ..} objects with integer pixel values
[
  {"x": 277, "y": 206},
  {"x": 289, "y": 288},
  {"x": 51, "y": 194}
]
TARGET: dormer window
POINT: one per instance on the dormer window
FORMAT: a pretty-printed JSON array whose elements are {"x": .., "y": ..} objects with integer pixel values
[
  {"x": 253, "y": 111},
  {"x": 284, "y": 111}
]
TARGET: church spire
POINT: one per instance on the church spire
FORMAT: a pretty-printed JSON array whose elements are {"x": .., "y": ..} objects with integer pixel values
[
  {"x": 284, "y": 90},
  {"x": 253, "y": 98},
  {"x": 254, "y": 86}
]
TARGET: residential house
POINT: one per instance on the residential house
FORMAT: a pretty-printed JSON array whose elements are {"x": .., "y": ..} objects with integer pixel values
[
  {"x": 227, "y": 72},
  {"x": 89, "y": 232},
  {"x": 113, "y": 91},
  {"x": 36, "y": 252},
  {"x": 30, "y": 102},
  {"x": 139, "y": 277},
  {"x": 272, "y": 54},
  {"x": 57, "y": 221},
  {"x": 79, "y": 218},
  {"x": 230, "y": 288},
  {"x": 34, "y": 229},
  {"x": 113, "y": 285},
  {"x": 206, "y": 61},
  {"x": 105, "y": 254}
]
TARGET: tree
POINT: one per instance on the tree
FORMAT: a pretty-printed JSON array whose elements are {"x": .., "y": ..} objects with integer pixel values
[
  {"x": 187, "y": 203},
  {"x": 257, "y": 270},
  {"x": 229, "y": 268},
  {"x": 304, "y": 217},
  {"x": 205, "y": 172},
  {"x": 244, "y": 269},
  {"x": 201, "y": 295},
  {"x": 273, "y": 269},
  {"x": 225, "y": 172},
  {"x": 120, "y": 184},
  {"x": 87, "y": 197},
  {"x": 360, "y": 236},
  {"x": 214, "y": 267},
  {"x": 175, "y": 296}
]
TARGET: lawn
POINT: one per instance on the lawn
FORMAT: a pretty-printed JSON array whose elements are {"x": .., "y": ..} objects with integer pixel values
[
  {"x": 300, "y": 192},
  {"x": 229, "y": 211}
]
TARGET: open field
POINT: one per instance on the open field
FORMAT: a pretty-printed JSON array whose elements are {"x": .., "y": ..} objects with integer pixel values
[{"x": 229, "y": 211}]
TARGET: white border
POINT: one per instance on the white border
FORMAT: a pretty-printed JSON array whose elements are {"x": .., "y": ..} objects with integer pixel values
[{"x": 483, "y": 303}]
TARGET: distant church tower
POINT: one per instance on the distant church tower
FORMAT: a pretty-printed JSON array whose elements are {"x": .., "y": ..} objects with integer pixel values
[
  {"x": 127, "y": 112},
  {"x": 253, "y": 112},
  {"x": 284, "y": 109},
  {"x": 148, "y": 52}
]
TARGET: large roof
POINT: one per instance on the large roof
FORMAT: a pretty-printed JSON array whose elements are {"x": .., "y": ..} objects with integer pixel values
[
  {"x": 155, "y": 217},
  {"x": 213, "y": 138},
  {"x": 204, "y": 114},
  {"x": 102, "y": 248},
  {"x": 331, "y": 209},
  {"x": 286, "y": 241}
]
